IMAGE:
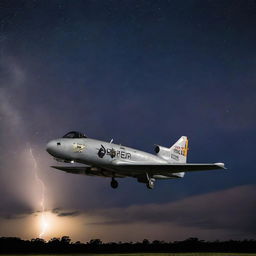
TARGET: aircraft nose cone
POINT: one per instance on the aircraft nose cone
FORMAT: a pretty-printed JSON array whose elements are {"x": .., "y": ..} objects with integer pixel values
[{"x": 50, "y": 147}]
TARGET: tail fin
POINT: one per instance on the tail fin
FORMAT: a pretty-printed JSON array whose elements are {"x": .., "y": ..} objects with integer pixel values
[
  {"x": 176, "y": 153},
  {"x": 179, "y": 151}
]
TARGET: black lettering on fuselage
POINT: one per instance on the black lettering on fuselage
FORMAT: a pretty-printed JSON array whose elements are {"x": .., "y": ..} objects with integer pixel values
[{"x": 118, "y": 153}]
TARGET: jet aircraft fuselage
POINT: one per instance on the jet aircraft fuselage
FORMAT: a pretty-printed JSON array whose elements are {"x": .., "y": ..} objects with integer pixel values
[{"x": 107, "y": 159}]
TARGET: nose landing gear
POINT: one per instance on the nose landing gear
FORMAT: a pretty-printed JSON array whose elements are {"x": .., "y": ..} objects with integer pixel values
[{"x": 114, "y": 183}]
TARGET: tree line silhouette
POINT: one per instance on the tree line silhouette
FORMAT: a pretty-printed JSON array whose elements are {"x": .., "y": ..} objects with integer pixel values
[{"x": 65, "y": 245}]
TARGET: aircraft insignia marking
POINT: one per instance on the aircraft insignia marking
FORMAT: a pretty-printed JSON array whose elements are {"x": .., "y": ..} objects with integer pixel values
[
  {"x": 113, "y": 153},
  {"x": 102, "y": 152},
  {"x": 181, "y": 150},
  {"x": 78, "y": 147}
]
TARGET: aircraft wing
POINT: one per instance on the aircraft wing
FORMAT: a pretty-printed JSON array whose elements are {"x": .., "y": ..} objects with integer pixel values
[
  {"x": 74, "y": 169},
  {"x": 135, "y": 169},
  {"x": 86, "y": 170},
  {"x": 165, "y": 168}
]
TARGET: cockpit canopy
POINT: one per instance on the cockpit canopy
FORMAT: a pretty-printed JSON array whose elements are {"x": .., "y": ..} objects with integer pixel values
[{"x": 74, "y": 135}]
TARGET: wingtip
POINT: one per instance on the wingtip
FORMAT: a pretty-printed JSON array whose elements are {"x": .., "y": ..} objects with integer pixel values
[{"x": 221, "y": 165}]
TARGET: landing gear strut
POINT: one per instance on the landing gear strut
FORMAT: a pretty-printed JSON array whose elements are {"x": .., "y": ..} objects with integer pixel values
[
  {"x": 114, "y": 183},
  {"x": 150, "y": 183}
]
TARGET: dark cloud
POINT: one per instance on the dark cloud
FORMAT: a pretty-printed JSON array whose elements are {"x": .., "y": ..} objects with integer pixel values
[
  {"x": 16, "y": 212},
  {"x": 13, "y": 216},
  {"x": 63, "y": 213},
  {"x": 56, "y": 210},
  {"x": 231, "y": 209},
  {"x": 71, "y": 214}
]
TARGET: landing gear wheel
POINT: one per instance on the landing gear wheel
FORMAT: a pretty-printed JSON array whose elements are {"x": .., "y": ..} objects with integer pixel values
[
  {"x": 114, "y": 183},
  {"x": 151, "y": 183}
]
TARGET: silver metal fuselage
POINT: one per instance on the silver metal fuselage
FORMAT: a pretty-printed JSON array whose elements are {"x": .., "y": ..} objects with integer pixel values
[
  {"x": 106, "y": 159},
  {"x": 85, "y": 151}
]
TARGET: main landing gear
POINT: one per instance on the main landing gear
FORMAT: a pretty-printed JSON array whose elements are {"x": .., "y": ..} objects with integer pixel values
[
  {"x": 114, "y": 183},
  {"x": 150, "y": 184},
  {"x": 146, "y": 179}
]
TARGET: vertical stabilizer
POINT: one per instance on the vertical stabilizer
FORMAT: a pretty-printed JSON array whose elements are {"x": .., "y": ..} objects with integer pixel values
[
  {"x": 179, "y": 151},
  {"x": 176, "y": 153}
]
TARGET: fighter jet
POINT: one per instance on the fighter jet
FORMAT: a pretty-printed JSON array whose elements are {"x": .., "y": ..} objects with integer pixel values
[{"x": 106, "y": 159}]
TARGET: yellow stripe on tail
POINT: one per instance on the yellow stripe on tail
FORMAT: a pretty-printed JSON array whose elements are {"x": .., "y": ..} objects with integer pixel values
[{"x": 185, "y": 150}]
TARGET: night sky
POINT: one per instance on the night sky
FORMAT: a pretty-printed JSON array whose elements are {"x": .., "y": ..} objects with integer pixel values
[{"x": 142, "y": 73}]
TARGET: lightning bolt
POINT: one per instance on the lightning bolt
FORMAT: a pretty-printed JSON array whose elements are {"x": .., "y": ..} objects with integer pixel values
[{"x": 43, "y": 219}]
